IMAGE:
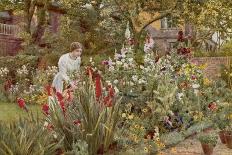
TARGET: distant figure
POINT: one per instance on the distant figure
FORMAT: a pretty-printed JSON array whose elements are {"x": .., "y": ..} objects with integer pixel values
[{"x": 68, "y": 63}]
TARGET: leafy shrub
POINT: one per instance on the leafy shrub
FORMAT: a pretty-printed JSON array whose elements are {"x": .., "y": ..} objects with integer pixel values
[
  {"x": 26, "y": 137},
  {"x": 209, "y": 138},
  {"x": 86, "y": 119}
]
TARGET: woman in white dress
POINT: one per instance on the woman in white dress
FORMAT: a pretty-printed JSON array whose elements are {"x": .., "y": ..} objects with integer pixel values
[{"x": 68, "y": 63}]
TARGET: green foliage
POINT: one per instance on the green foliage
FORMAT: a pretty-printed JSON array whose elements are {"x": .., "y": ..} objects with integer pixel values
[
  {"x": 79, "y": 148},
  {"x": 226, "y": 74},
  {"x": 209, "y": 138},
  {"x": 197, "y": 128},
  {"x": 14, "y": 62},
  {"x": 212, "y": 54},
  {"x": 97, "y": 124},
  {"x": 172, "y": 138},
  {"x": 26, "y": 137},
  {"x": 227, "y": 48}
]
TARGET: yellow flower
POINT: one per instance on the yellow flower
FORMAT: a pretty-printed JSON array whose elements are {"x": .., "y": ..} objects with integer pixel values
[
  {"x": 145, "y": 110},
  {"x": 173, "y": 150},
  {"x": 203, "y": 66},
  {"x": 160, "y": 153},
  {"x": 123, "y": 115},
  {"x": 157, "y": 140},
  {"x": 134, "y": 136},
  {"x": 162, "y": 145},
  {"x": 131, "y": 116},
  {"x": 136, "y": 126},
  {"x": 142, "y": 128},
  {"x": 206, "y": 81},
  {"x": 136, "y": 140},
  {"x": 145, "y": 149}
]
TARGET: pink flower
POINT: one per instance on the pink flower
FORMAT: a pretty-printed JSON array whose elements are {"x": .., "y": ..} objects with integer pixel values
[
  {"x": 212, "y": 106},
  {"x": 105, "y": 62},
  {"x": 77, "y": 122},
  {"x": 193, "y": 77}
]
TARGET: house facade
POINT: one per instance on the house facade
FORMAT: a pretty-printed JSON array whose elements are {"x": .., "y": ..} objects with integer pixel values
[
  {"x": 10, "y": 27},
  {"x": 165, "y": 31}
]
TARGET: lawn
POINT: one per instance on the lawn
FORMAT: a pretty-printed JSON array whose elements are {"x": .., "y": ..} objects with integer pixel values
[{"x": 11, "y": 111}]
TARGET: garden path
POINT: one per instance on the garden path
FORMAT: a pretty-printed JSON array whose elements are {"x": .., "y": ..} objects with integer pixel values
[{"x": 192, "y": 146}]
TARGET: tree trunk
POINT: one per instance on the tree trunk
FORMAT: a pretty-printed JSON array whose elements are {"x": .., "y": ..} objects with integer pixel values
[
  {"x": 29, "y": 10},
  {"x": 40, "y": 28}
]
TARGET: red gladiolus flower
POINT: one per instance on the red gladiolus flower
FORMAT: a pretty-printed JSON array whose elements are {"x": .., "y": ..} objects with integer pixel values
[
  {"x": 108, "y": 101},
  {"x": 59, "y": 96},
  {"x": 45, "y": 109},
  {"x": 77, "y": 122},
  {"x": 111, "y": 91},
  {"x": 22, "y": 103},
  {"x": 62, "y": 105},
  {"x": 48, "y": 89},
  {"x": 98, "y": 89}
]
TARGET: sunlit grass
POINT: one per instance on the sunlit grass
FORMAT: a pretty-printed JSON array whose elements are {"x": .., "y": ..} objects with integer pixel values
[{"x": 11, "y": 111}]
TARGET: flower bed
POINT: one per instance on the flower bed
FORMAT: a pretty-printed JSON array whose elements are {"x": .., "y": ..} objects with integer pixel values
[{"x": 125, "y": 105}]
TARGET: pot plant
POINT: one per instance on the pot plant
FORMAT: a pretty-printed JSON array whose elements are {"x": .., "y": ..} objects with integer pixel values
[
  {"x": 228, "y": 137},
  {"x": 208, "y": 142},
  {"x": 222, "y": 125}
]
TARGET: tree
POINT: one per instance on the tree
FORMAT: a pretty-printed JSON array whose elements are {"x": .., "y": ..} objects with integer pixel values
[{"x": 28, "y": 9}]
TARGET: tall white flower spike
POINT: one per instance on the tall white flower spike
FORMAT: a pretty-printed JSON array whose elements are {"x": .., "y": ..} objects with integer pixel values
[{"x": 127, "y": 32}]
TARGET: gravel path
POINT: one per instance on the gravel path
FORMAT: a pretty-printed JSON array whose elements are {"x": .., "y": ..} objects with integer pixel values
[{"x": 192, "y": 146}]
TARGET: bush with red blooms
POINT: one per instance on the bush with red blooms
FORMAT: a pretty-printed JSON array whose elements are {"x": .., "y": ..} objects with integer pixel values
[
  {"x": 94, "y": 111},
  {"x": 183, "y": 44}
]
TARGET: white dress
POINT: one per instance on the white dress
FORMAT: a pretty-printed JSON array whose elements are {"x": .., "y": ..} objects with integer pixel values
[{"x": 66, "y": 65}]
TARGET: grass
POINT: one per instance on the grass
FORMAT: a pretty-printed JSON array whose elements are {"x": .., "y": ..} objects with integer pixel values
[{"x": 11, "y": 111}]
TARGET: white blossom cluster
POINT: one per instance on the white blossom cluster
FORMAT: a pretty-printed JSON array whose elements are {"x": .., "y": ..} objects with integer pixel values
[
  {"x": 3, "y": 71},
  {"x": 32, "y": 89},
  {"x": 14, "y": 88},
  {"x": 22, "y": 71},
  {"x": 52, "y": 70}
]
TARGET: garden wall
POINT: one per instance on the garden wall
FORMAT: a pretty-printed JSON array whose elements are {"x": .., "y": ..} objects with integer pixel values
[{"x": 213, "y": 65}]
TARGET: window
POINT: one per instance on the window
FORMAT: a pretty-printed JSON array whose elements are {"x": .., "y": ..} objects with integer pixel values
[{"x": 168, "y": 22}]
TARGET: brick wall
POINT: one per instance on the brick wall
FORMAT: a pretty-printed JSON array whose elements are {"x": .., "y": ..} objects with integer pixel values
[{"x": 213, "y": 65}]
